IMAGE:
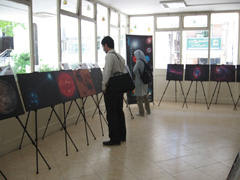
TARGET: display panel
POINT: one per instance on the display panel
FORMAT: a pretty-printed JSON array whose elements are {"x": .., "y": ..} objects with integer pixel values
[
  {"x": 39, "y": 90},
  {"x": 84, "y": 82},
  {"x": 175, "y": 72},
  {"x": 10, "y": 102},
  {"x": 97, "y": 78},
  {"x": 223, "y": 73},
  {"x": 197, "y": 72},
  {"x": 238, "y": 73},
  {"x": 145, "y": 44},
  {"x": 66, "y": 85}
]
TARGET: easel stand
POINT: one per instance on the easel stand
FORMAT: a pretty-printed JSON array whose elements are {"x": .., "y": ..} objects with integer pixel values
[
  {"x": 62, "y": 124},
  {"x": 97, "y": 102},
  {"x": 3, "y": 175},
  {"x": 219, "y": 82},
  {"x": 82, "y": 111},
  {"x": 175, "y": 92},
  {"x": 34, "y": 143},
  {"x": 128, "y": 106},
  {"x": 196, "y": 93},
  {"x": 235, "y": 106}
]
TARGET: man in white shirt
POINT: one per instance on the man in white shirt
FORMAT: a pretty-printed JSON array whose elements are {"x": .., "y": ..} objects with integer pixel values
[{"x": 114, "y": 63}]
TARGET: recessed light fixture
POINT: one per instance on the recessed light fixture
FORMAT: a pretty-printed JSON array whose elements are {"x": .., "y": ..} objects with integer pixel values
[{"x": 173, "y": 4}]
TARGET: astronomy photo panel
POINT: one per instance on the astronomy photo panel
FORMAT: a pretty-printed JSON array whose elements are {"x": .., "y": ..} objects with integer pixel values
[
  {"x": 174, "y": 72},
  {"x": 222, "y": 73},
  {"x": 66, "y": 85},
  {"x": 10, "y": 102},
  {"x": 39, "y": 90},
  {"x": 96, "y": 75},
  {"x": 197, "y": 72},
  {"x": 84, "y": 82}
]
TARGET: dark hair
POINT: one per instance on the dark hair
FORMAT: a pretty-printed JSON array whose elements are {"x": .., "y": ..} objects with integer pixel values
[{"x": 109, "y": 41}]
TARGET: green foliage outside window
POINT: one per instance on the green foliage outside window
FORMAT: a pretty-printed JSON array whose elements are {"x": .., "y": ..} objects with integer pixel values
[{"x": 7, "y": 27}]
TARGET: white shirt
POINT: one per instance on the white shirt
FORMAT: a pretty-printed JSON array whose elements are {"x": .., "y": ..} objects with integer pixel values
[{"x": 112, "y": 65}]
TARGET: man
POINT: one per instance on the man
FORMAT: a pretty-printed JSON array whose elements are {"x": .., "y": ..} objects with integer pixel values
[{"x": 114, "y": 63}]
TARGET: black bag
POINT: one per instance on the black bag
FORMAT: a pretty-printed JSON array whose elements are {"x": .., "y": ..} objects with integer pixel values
[
  {"x": 120, "y": 83},
  {"x": 146, "y": 76}
]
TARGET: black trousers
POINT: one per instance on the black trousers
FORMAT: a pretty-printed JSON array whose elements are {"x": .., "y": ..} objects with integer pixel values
[{"x": 115, "y": 116}]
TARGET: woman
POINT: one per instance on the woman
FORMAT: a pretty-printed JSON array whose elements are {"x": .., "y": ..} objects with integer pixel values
[{"x": 140, "y": 88}]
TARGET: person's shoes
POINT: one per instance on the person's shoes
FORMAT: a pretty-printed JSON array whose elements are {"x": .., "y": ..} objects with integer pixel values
[
  {"x": 110, "y": 143},
  {"x": 148, "y": 112},
  {"x": 138, "y": 114}
]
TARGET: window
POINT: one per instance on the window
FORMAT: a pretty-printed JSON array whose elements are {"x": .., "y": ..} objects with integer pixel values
[
  {"x": 45, "y": 37},
  {"x": 195, "y": 21},
  {"x": 69, "y": 37},
  {"x": 195, "y": 47},
  {"x": 141, "y": 25},
  {"x": 114, "y": 33},
  {"x": 114, "y": 18},
  {"x": 168, "y": 22},
  {"x": 102, "y": 31},
  {"x": 14, "y": 37},
  {"x": 224, "y": 38},
  {"x": 88, "y": 41},
  {"x": 87, "y": 9},
  {"x": 167, "y": 49},
  {"x": 70, "y": 6},
  {"x": 123, "y": 29}
]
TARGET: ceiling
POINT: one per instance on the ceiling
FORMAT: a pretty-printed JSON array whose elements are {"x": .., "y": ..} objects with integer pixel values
[{"x": 139, "y": 7}]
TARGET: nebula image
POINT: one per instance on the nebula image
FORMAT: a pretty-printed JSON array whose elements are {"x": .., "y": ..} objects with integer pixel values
[
  {"x": 66, "y": 85},
  {"x": 175, "y": 72},
  {"x": 10, "y": 103},
  {"x": 149, "y": 50},
  {"x": 96, "y": 75},
  {"x": 39, "y": 90},
  {"x": 197, "y": 72},
  {"x": 223, "y": 73},
  {"x": 149, "y": 40},
  {"x": 84, "y": 82}
]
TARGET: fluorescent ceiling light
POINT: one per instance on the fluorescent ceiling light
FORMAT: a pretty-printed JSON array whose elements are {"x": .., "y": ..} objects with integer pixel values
[{"x": 172, "y": 4}]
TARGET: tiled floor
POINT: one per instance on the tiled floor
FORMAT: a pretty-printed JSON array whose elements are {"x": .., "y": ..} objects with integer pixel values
[{"x": 173, "y": 143}]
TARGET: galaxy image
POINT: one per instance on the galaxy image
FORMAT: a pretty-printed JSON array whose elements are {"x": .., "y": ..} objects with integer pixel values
[
  {"x": 39, "y": 90},
  {"x": 96, "y": 75},
  {"x": 66, "y": 85},
  {"x": 223, "y": 73},
  {"x": 175, "y": 72},
  {"x": 10, "y": 102},
  {"x": 238, "y": 73},
  {"x": 84, "y": 82},
  {"x": 197, "y": 72}
]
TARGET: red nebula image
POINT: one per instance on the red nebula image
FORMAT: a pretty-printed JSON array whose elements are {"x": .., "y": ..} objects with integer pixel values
[
  {"x": 149, "y": 40},
  {"x": 66, "y": 85},
  {"x": 197, "y": 72},
  {"x": 134, "y": 59}
]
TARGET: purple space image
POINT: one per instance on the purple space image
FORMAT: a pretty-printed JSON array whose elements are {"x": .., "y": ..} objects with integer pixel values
[
  {"x": 96, "y": 75},
  {"x": 39, "y": 90},
  {"x": 175, "y": 72},
  {"x": 10, "y": 102},
  {"x": 223, "y": 73},
  {"x": 197, "y": 72}
]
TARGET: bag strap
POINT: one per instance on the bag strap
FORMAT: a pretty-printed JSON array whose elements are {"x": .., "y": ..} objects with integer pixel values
[
  {"x": 120, "y": 61},
  {"x": 144, "y": 67}
]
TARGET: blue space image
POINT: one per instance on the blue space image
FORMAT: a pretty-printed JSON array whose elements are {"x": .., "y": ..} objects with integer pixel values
[
  {"x": 39, "y": 90},
  {"x": 223, "y": 73}
]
